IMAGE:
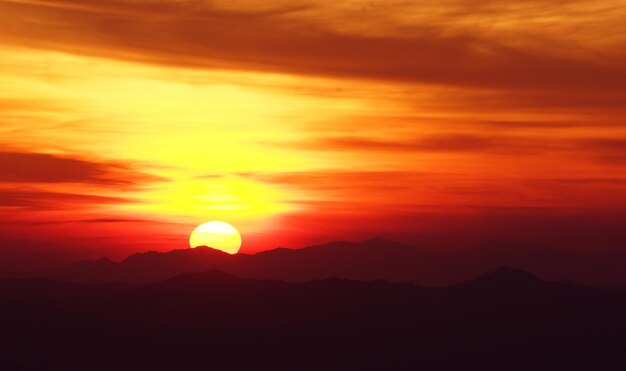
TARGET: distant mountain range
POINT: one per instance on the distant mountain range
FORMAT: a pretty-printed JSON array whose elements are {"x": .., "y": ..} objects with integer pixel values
[
  {"x": 505, "y": 320},
  {"x": 373, "y": 259}
]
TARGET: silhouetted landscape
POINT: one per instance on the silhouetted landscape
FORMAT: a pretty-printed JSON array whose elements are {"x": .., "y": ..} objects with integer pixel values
[
  {"x": 377, "y": 304},
  {"x": 504, "y": 320},
  {"x": 372, "y": 259}
]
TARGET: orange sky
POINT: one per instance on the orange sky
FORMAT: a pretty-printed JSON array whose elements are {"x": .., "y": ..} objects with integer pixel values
[{"x": 124, "y": 124}]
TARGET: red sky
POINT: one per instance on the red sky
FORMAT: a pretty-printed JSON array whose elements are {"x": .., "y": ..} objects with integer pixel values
[{"x": 124, "y": 124}]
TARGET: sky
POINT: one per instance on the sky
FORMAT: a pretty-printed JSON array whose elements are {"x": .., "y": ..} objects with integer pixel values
[{"x": 126, "y": 123}]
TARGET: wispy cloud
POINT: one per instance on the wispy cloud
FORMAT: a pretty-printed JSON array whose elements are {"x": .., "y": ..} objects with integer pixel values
[
  {"x": 54, "y": 200},
  {"x": 30, "y": 167},
  {"x": 452, "y": 47},
  {"x": 595, "y": 148}
]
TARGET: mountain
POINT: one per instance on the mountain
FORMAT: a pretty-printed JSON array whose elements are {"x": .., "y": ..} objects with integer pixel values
[
  {"x": 505, "y": 320},
  {"x": 369, "y": 260}
]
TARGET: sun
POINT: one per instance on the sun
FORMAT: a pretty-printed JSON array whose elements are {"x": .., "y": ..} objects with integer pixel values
[{"x": 218, "y": 235}]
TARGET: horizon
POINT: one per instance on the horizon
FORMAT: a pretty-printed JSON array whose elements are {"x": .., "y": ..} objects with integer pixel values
[
  {"x": 461, "y": 248},
  {"x": 367, "y": 260},
  {"x": 498, "y": 241}
]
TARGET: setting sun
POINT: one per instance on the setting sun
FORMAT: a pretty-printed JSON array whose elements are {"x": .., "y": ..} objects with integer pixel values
[{"x": 218, "y": 235}]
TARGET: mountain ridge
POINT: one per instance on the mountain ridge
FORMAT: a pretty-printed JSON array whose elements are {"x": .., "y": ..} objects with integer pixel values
[{"x": 372, "y": 259}]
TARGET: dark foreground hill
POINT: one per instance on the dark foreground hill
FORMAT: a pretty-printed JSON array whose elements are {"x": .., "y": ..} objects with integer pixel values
[
  {"x": 506, "y": 320},
  {"x": 369, "y": 260}
]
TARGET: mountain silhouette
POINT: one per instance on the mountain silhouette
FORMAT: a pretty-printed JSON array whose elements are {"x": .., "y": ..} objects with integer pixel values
[
  {"x": 505, "y": 320},
  {"x": 372, "y": 259}
]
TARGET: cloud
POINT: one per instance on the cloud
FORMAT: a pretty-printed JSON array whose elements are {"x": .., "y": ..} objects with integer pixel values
[
  {"x": 610, "y": 150},
  {"x": 387, "y": 192},
  {"x": 53, "y": 200},
  {"x": 420, "y": 42},
  {"x": 30, "y": 167},
  {"x": 41, "y": 181},
  {"x": 87, "y": 221},
  {"x": 443, "y": 143},
  {"x": 616, "y": 145},
  {"x": 344, "y": 180}
]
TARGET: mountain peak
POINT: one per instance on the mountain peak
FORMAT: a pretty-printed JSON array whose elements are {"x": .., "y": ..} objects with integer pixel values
[{"x": 153, "y": 255}]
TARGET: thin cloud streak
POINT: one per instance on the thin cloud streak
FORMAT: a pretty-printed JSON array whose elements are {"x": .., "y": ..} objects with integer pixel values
[
  {"x": 598, "y": 147},
  {"x": 54, "y": 200},
  {"x": 31, "y": 167}
]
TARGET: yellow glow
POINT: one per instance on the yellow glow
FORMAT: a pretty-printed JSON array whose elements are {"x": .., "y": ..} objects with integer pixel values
[
  {"x": 204, "y": 133},
  {"x": 224, "y": 197},
  {"x": 218, "y": 235}
]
